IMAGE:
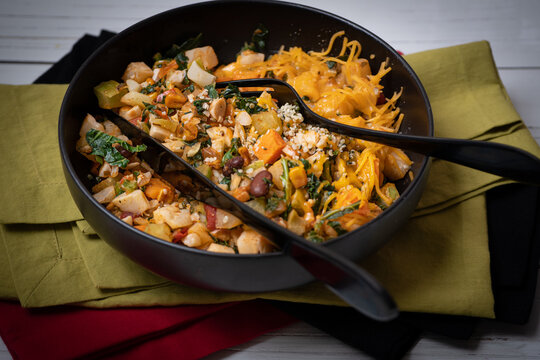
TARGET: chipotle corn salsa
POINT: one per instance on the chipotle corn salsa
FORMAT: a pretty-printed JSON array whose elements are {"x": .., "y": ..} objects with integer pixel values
[{"x": 313, "y": 182}]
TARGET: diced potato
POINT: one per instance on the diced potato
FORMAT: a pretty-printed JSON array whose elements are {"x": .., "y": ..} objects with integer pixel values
[
  {"x": 103, "y": 184},
  {"x": 111, "y": 128},
  {"x": 160, "y": 133},
  {"x": 167, "y": 124},
  {"x": 137, "y": 71},
  {"x": 135, "y": 202},
  {"x": 130, "y": 112},
  {"x": 136, "y": 99},
  {"x": 200, "y": 76},
  {"x": 90, "y": 122},
  {"x": 221, "y": 137},
  {"x": 247, "y": 58},
  {"x": 161, "y": 231},
  {"x": 220, "y": 248},
  {"x": 396, "y": 164},
  {"x": 176, "y": 77},
  {"x": 106, "y": 195},
  {"x": 192, "y": 240},
  {"x": 269, "y": 146},
  {"x": 201, "y": 231},
  {"x": 159, "y": 190},
  {"x": 225, "y": 220},
  {"x": 128, "y": 220},
  {"x": 295, "y": 223},
  {"x": 277, "y": 170},
  {"x": 251, "y": 242},
  {"x": 217, "y": 109},
  {"x": 267, "y": 120},
  {"x": 206, "y": 54},
  {"x": 133, "y": 85},
  {"x": 243, "y": 118},
  {"x": 298, "y": 176},
  {"x": 173, "y": 216}
]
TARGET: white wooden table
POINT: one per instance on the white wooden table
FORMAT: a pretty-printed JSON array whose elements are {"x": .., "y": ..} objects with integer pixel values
[{"x": 36, "y": 33}]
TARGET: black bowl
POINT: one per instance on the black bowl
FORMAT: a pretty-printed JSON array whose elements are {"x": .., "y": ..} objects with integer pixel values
[{"x": 225, "y": 26}]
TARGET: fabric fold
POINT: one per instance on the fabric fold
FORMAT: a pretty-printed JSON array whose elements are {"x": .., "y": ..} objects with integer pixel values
[{"x": 449, "y": 227}]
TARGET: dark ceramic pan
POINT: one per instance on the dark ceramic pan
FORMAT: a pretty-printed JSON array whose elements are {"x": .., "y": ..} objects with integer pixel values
[{"x": 225, "y": 26}]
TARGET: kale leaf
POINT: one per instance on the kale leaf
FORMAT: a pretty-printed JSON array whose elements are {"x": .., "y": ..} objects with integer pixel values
[{"x": 102, "y": 147}]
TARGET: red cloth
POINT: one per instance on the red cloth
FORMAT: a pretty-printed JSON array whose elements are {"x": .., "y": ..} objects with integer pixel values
[{"x": 182, "y": 332}]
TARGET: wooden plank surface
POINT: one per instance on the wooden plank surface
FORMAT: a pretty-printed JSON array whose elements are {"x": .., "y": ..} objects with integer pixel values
[{"x": 35, "y": 33}]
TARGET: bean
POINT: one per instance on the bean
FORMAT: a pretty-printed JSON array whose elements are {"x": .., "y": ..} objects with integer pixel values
[
  {"x": 235, "y": 163},
  {"x": 125, "y": 153},
  {"x": 260, "y": 187}
]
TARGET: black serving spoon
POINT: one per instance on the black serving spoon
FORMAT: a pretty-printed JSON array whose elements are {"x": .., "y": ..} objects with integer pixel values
[
  {"x": 498, "y": 159},
  {"x": 343, "y": 277}
]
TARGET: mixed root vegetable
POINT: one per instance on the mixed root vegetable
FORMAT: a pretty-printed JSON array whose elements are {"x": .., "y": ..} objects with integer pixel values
[{"x": 315, "y": 183}]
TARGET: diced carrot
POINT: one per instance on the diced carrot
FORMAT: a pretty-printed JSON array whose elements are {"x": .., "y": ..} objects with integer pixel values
[
  {"x": 173, "y": 65},
  {"x": 269, "y": 146},
  {"x": 175, "y": 99},
  {"x": 298, "y": 176},
  {"x": 244, "y": 152},
  {"x": 159, "y": 190},
  {"x": 140, "y": 227},
  {"x": 241, "y": 193}
]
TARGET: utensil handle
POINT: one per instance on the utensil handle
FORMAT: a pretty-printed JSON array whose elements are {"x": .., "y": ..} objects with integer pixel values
[
  {"x": 498, "y": 159},
  {"x": 346, "y": 279}
]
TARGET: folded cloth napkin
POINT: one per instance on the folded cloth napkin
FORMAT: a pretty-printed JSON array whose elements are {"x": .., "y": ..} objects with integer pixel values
[
  {"x": 458, "y": 281},
  {"x": 185, "y": 332}
]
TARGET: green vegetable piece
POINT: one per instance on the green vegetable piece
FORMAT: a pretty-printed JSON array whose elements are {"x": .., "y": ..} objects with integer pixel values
[
  {"x": 205, "y": 170},
  {"x": 285, "y": 180},
  {"x": 102, "y": 147},
  {"x": 337, "y": 227},
  {"x": 257, "y": 204},
  {"x": 334, "y": 214},
  {"x": 109, "y": 94},
  {"x": 258, "y": 39},
  {"x": 254, "y": 165}
]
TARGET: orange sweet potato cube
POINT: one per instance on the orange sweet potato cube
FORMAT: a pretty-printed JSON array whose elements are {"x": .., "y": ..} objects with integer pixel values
[
  {"x": 159, "y": 190},
  {"x": 269, "y": 146}
]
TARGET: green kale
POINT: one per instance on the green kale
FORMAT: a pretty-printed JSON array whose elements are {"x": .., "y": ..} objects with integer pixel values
[
  {"x": 272, "y": 203},
  {"x": 232, "y": 152},
  {"x": 315, "y": 237},
  {"x": 102, "y": 147},
  {"x": 186, "y": 45},
  {"x": 306, "y": 164},
  {"x": 313, "y": 186},
  {"x": 230, "y": 91},
  {"x": 249, "y": 104},
  {"x": 212, "y": 93},
  {"x": 270, "y": 74},
  {"x": 227, "y": 181},
  {"x": 199, "y": 105},
  {"x": 337, "y": 227},
  {"x": 331, "y": 64},
  {"x": 334, "y": 214},
  {"x": 258, "y": 40}
]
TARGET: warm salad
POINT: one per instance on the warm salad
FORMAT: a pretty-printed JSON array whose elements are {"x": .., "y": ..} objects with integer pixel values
[{"x": 315, "y": 183}]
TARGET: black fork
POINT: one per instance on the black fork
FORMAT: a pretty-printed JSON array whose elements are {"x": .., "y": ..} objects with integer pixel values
[{"x": 498, "y": 159}]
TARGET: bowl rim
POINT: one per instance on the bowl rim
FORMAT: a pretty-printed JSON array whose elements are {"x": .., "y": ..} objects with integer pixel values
[{"x": 64, "y": 152}]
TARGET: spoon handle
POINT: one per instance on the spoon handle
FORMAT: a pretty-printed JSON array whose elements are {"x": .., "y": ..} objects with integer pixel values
[
  {"x": 498, "y": 159},
  {"x": 345, "y": 279}
]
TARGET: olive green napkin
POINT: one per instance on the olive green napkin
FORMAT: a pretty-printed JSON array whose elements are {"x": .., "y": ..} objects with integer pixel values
[{"x": 438, "y": 263}]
